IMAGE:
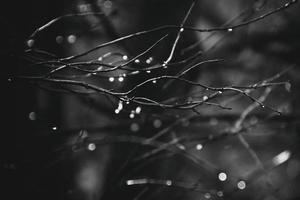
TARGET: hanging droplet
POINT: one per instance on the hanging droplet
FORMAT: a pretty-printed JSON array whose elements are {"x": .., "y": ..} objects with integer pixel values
[
  {"x": 100, "y": 58},
  {"x": 220, "y": 92},
  {"x": 222, "y": 176},
  {"x": 230, "y": 30},
  {"x": 125, "y": 57},
  {"x": 205, "y": 98},
  {"x": 30, "y": 43},
  {"x": 111, "y": 79},
  {"x": 241, "y": 185},
  {"x": 165, "y": 66},
  {"x": 199, "y": 147},
  {"x": 117, "y": 111},
  {"x": 32, "y": 116},
  {"x": 99, "y": 68},
  {"x": 71, "y": 39},
  {"x": 137, "y": 61},
  {"x": 148, "y": 71},
  {"x": 91, "y": 147},
  {"x": 121, "y": 79},
  {"x": 138, "y": 110},
  {"x": 134, "y": 127},
  {"x": 154, "y": 81},
  {"x": 59, "y": 39},
  {"x": 181, "y": 30},
  {"x": 157, "y": 123}
]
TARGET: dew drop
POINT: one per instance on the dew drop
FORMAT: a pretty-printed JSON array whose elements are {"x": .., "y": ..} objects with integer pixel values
[
  {"x": 137, "y": 61},
  {"x": 205, "y": 98},
  {"x": 148, "y": 71},
  {"x": 181, "y": 30},
  {"x": 100, "y": 58},
  {"x": 111, "y": 79},
  {"x": 154, "y": 81},
  {"x": 54, "y": 128},
  {"x": 230, "y": 30},
  {"x": 117, "y": 111}
]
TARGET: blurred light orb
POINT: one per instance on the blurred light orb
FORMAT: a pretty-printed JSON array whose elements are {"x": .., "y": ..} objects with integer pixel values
[{"x": 157, "y": 123}]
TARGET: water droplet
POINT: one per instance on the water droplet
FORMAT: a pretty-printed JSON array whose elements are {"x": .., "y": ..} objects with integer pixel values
[
  {"x": 286, "y": 5},
  {"x": 54, "y": 128},
  {"x": 125, "y": 57},
  {"x": 241, "y": 185},
  {"x": 154, "y": 81},
  {"x": 148, "y": 71},
  {"x": 157, "y": 123},
  {"x": 281, "y": 158},
  {"x": 137, "y": 61},
  {"x": 222, "y": 176},
  {"x": 230, "y": 30},
  {"x": 149, "y": 60},
  {"x": 32, "y": 116},
  {"x": 59, "y": 39},
  {"x": 220, "y": 92},
  {"x": 205, "y": 98},
  {"x": 117, "y": 111},
  {"x": 134, "y": 127},
  {"x": 181, "y": 30},
  {"x": 135, "y": 72},
  {"x": 121, "y": 79},
  {"x": 199, "y": 147},
  {"x": 30, "y": 43},
  {"x": 207, "y": 195},
  {"x": 91, "y": 147},
  {"x": 138, "y": 110},
  {"x": 168, "y": 182},
  {"x": 165, "y": 66},
  {"x": 111, "y": 79},
  {"x": 100, "y": 58},
  {"x": 181, "y": 146},
  {"x": 131, "y": 116},
  {"x": 220, "y": 194},
  {"x": 99, "y": 68},
  {"x": 71, "y": 39}
]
